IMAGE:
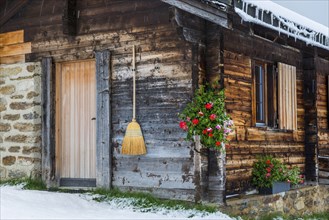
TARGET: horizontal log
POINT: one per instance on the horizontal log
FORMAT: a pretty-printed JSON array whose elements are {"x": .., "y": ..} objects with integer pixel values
[
  {"x": 12, "y": 59},
  {"x": 13, "y": 37},
  {"x": 15, "y": 49}
]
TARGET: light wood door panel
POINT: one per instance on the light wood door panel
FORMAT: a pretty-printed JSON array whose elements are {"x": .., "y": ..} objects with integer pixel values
[{"x": 75, "y": 121}]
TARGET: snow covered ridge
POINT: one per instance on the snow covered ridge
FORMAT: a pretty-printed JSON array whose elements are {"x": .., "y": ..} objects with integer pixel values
[{"x": 283, "y": 20}]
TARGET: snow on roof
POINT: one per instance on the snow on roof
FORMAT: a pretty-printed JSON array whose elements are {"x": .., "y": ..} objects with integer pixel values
[{"x": 284, "y": 21}]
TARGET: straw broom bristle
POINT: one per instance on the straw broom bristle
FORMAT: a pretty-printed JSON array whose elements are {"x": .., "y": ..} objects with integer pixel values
[{"x": 133, "y": 142}]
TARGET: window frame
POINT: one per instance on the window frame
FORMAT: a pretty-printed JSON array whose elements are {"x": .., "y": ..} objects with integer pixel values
[
  {"x": 263, "y": 67},
  {"x": 270, "y": 91}
]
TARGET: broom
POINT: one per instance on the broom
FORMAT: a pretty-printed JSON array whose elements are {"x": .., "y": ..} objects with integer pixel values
[{"x": 133, "y": 142}]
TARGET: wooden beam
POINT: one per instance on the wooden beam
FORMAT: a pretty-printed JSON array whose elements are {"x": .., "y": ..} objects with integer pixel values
[
  {"x": 11, "y": 10},
  {"x": 48, "y": 121},
  {"x": 12, "y": 59},
  {"x": 70, "y": 17},
  {"x": 202, "y": 10},
  {"x": 13, "y": 37},
  {"x": 103, "y": 120},
  {"x": 15, "y": 49}
]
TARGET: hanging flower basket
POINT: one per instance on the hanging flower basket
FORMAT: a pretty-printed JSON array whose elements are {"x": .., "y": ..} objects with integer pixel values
[{"x": 205, "y": 116}]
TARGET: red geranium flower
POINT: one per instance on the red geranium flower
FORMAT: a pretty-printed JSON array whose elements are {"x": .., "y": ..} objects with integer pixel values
[
  {"x": 210, "y": 134},
  {"x": 218, "y": 143},
  {"x": 268, "y": 169},
  {"x": 268, "y": 162},
  {"x": 209, "y": 105},
  {"x": 209, "y": 129},
  {"x": 212, "y": 117},
  {"x": 204, "y": 131},
  {"x": 183, "y": 125},
  {"x": 195, "y": 121}
]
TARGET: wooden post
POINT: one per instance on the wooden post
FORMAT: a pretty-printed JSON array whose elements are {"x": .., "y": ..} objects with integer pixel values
[
  {"x": 311, "y": 123},
  {"x": 103, "y": 120},
  {"x": 200, "y": 171},
  {"x": 48, "y": 122}
]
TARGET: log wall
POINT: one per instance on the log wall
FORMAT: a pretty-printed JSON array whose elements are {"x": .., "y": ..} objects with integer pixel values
[
  {"x": 249, "y": 141},
  {"x": 164, "y": 81}
]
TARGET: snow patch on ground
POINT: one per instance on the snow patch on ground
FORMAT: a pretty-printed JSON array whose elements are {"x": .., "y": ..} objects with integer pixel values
[{"x": 17, "y": 203}]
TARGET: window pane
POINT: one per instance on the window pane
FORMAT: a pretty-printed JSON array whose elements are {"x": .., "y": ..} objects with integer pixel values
[{"x": 260, "y": 113}]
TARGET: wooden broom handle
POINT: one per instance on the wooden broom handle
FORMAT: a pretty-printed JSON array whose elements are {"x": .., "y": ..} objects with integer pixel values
[{"x": 134, "y": 85}]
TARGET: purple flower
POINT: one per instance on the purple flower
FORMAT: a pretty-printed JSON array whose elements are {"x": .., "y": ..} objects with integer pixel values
[
  {"x": 218, "y": 127},
  {"x": 227, "y": 130}
]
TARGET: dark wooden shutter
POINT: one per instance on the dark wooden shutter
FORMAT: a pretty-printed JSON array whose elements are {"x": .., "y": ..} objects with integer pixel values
[{"x": 272, "y": 104}]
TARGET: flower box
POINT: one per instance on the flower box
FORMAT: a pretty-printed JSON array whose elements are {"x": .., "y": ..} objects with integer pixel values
[{"x": 277, "y": 187}]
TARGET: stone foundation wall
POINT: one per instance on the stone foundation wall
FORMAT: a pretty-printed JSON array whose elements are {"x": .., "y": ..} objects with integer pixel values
[
  {"x": 301, "y": 201},
  {"x": 20, "y": 120}
]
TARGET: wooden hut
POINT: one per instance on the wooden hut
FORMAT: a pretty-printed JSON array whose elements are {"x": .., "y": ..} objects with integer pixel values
[{"x": 77, "y": 55}]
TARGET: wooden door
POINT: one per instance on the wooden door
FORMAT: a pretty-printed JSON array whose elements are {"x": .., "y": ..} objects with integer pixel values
[{"x": 75, "y": 121}]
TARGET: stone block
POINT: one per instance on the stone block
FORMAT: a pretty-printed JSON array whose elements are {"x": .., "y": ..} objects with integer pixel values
[
  {"x": 32, "y": 94},
  {"x": 20, "y": 105},
  {"x": 30, "y": 68},
  {"x": 299, "y": 204},
  {"x": 3, "y": 173},
  {"x": 10, "y": 117},
  {"x": 19, "y": 138},
  {"x": 2, "y": 82},
  {"x": 2, "y": 149},
  {"x": 28, "y": 160},
  {"x": 29, "y": 150},
  {"x": 5, "y": 72},
  {"x": 31, "y": 116},
  {"x": 14, "y": 149},
  {"x": 3, "y": 104},
  {"x": 17, "y": 97},
  {"x": 4, "y": 127},
  {"x": 7, "y": 90},
  {"x": 23, "y": 127},
  {"x": 16, "y": 174},
  {"x": 8, "y": 160}
]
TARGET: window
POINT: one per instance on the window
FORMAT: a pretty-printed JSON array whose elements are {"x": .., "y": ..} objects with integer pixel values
[
  {"x": 260, "y": 74},
  {"x": 274, "y": 95}
]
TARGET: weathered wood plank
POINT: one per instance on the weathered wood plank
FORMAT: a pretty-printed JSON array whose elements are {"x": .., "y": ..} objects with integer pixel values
[
  {"x": 15, "y": 49},
  {"x": 12, "y": 59},
  {"x": 48, "y": 121},
  {"x": 13, "y": 37},
  {"x": 202, "y": 10},
  {"x": 103, "y": 120}
]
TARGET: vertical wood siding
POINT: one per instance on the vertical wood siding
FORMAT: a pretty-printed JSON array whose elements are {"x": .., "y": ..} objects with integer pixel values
[
  {"x": 76, "y": 109},
  {"x": 287, "y": 97}
]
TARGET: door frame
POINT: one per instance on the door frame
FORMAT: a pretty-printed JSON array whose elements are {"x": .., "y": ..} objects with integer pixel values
[{"x": 103, "y": 121}]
